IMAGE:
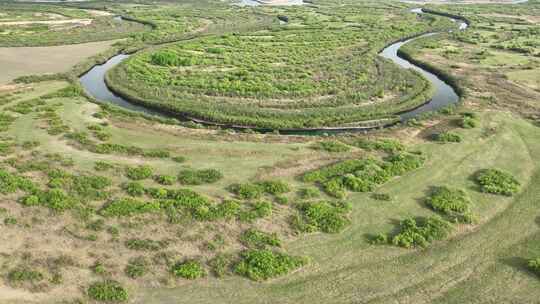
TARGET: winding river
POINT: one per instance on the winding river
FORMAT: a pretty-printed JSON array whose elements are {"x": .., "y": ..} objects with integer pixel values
[{"x": 94, "y": 83}]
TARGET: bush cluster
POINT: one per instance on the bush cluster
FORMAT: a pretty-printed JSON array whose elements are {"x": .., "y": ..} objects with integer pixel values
[
  {"x": 333, "y": 146},
  {"x": 263, "y": 264},
  {"x": 254, "y": 238},
  {"x": 421, "y": 232},
  {"x": 325, "y": 216},
  {"x": 136, "y": 268},
  {"x": 453, "y": 203},
  {"x": 387, "y": 145},
  {"x": 534, "y": 265},
  {"x": 107, "y": 291},
  {"x": 496, "y": 181},
  {"x": 199, "y": 177},
  {"x": 447, "y": 137},
  {"x": 139, "y": 172},
  {"x": 145, "y": 244},
  {"x": 246, "y": 191},
  {"x": 128, "y": 207},
  {"x": 190, "y": 270},
  {"x": 362, "y": 175}
]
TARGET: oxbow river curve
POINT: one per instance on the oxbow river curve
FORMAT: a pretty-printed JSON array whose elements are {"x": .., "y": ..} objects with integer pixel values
[{"x": 95, "y": 85}]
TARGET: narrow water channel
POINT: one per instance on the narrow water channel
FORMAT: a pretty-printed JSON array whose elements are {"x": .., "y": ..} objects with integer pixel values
[{"x": 94, "y": 83}]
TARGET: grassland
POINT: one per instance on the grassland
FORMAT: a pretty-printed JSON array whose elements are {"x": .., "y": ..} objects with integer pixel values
[{"x": 98, "y": 204}]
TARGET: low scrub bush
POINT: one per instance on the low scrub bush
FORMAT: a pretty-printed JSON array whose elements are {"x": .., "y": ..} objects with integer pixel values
[
  {"x": 139, "y": 173},
  {"x": 453, "y": 203},
  {"x": 246, "y": 191},
  {"x": 165, "y": 179},
  {"x": 22, "y": 275},
  {"x": 190, "y": 270},
  {"x": 178, "y": 159},
  {"x": 421, "y": 232},
  {"x": 496, "y": 181},
  {"x": 254, "y": 238},
  {"x": 381, "y": 197},
  {"x": 328, "y": 217},
  {"x": 386, "y": 145},
  {"x": 275, "y": 187},
  {"x": 534, "y": 265},
  {"x": 134, "y": 189},
  {"x": 447, "y": 137},
  {"x": 199, "y": 177},
  {"x": 128, "y": 207},
  {"x": 107, "y": 291},
  {"x": 136, "y": 268},
  {"x": 309, "y": 193},
  {"x": 331, "y": 146},
  {"x": 260, "y": 265},
  {"x": 145, "y": 244},
  {"x": 221, "y": 264},
  {"x": 103, "y": 166},
  {"x": 467, "y": 122},
  {"x": 256, "y": 210}
]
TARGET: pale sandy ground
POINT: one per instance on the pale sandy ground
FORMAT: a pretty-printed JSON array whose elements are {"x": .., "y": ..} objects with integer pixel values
[
  {"x": 21, "y": 61},
  {"x": 67, "y": 21}
]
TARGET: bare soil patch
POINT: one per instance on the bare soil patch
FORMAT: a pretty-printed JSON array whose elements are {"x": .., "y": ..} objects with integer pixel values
[{"x": 21, "y": 61}]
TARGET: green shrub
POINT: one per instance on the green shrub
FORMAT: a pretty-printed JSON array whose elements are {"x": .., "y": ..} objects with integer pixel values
[
  {"x": 386, "y": 145},
  {"x": 103, "y": 166},
  {"x": 534, "y": 265},
  {"x": 496, "y": 181},
  {"x": 98, "y": 268},
  {"x": 467, "y": 122},
  {"x": 145, "y": 244},
  {"x": 308, "y": 193},
  {"x": 221, "y": 265},
  {"x": 134, "y": 189},
  {"x": 56, "y": 200},
  {"x": 421, "y": 232},
  {"x": 256, "y": 210},
  {"x": 97, "y": 225},
  {"x": 157, "y": 154},
  {"x": 179, "y": 159},
  {"x": 246, "y": 191},
  {"x": 107, "y": 291},
  {"x": 328, "y": 217},
  {"x": 136, "y": 268},
  {"x": 331, "y": 146},
  {"x": 20, "y": 275},
  {"x": 128, "y": 207},
  {"x": 9, "y": 221},
  {"x": 165, "y": 179},
  {"x": 30, "y": 200},
  {"x": 335, "y": 188},
  {"x": 274, "y": 187},
  {"x": 381, "y": 197},
  {"x": 190, "y": 270},
  {"x": 453, "y": 203},
  {"x": 337, "y": 169},
  {"x": 139, "y": 173},
  {"x": 199, "y": 177},
  {"x": 260, "y": 265},
  {"x": 253, "y": 238},
  {"x": 447, "y": 137}
]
